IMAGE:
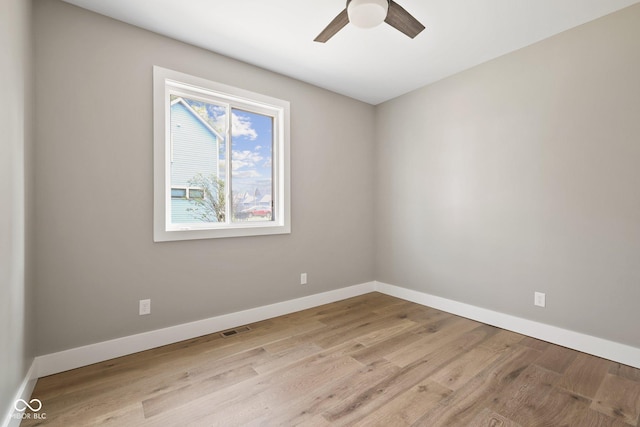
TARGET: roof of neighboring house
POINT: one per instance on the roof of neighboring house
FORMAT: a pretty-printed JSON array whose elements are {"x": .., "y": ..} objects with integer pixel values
[{"x": 197, "y": 116}]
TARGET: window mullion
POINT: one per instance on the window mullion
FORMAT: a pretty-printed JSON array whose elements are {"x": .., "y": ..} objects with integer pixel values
[{"x": 228, "y": 166}]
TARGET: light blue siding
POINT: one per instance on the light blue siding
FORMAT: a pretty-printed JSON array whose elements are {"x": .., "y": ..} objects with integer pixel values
[
  {"x": 194, "y": 150},
  {"x": 179, "y": 213}
]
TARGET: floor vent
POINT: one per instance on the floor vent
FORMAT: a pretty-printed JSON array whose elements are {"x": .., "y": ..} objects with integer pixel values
[{"x": 236, "y": 331}]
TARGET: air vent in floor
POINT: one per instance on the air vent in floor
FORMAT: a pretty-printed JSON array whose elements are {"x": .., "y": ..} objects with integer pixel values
[{"x": 236, "y": 331}]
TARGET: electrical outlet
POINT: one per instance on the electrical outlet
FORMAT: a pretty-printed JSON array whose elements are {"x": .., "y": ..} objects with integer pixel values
[
  {"x": 303, "y": 278},
  {"x": 145, "y": 306},
  {"x": 539, "y": 299}
]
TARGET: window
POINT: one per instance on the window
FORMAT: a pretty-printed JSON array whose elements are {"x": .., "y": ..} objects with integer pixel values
[
  {"x": 221, "y": 160},
  {"x": 196, "y": 193},
  {"x": 178, "y": 193}
]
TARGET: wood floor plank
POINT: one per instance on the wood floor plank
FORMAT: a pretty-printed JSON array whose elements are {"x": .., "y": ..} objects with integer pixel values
[
  {"x": 488, "y": 418},
  {"x": 431, "y": 341},
  {"x": 284, "y": 358},
  {"x": 382, "y": 334},
  {"x": 312, "y": 405},
  {"x": 126, "y": 415},
  {"x": 556, "y": 358},
  {"x": 371, "y": 353},
  {"x": 625, "y": 371},
  {"x": 481, "y": 391},
  {"x": 427, "y": 325},
  {"x": 186, "y": 394},
  {"x": 359, "y": 405},
  {"x": 560, "y": 407},
  {"x": 458, "y": 373},
  {"x": 619, "y": 398},
  {"x": 355, "y": 325},
  {"x": 279, "y": 385},
  {"x": 280, "y": 396},
  {"x": 407, "y": 407},
  {"x": 522, "y": 400},
  {"x": 584, "y": 375},
  {"x": 347, "y": 310},
  {"x": 502, "y": 341},
  {"x": 358, "y": 330},
  {"x": 412, "y": 312},
  {"x": 367, "y": 360},
  {"x": 591, "y": 418},
  {"x": 316, "y": 421},
  {"x": 534, "y": 343}
]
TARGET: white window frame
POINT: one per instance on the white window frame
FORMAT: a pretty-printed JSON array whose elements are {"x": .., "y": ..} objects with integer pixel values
[{"x": 165, "y": 80}]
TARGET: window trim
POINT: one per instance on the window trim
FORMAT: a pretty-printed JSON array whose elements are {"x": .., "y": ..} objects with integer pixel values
[{"x": 281, "y": 198}]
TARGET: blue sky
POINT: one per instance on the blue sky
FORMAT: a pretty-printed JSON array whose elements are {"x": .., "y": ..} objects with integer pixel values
[{"x": 252, "y": 152}]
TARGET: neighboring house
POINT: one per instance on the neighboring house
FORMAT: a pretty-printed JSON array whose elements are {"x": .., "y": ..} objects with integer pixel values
[
  {"x": 194, "y": 149},
  {"x": 245, "y": 200}
]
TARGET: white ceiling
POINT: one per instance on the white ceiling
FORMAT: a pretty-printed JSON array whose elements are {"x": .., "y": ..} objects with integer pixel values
[{"x": 370, "y": 65}]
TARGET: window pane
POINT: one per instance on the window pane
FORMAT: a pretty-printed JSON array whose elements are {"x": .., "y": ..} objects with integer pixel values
[
  {"x": 197, "y": 137},
  {"x": 178, "y": 193},
  {"x": 196, "y": 193},
  {"x": 251, "y": 166}
]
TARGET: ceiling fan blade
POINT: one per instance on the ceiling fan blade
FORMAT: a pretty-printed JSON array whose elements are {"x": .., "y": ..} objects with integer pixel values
[
  {"x": 402, "y": 20},
  {"x": 334, "y": 26}
]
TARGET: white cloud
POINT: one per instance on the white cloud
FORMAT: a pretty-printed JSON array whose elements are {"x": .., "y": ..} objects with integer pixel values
[
  {"x": 247, "y": 156},
  {"x": 245, "y": 159},
  {"x": 241, "y": 126},
  {"x": 219, "y": 117},
  {"x": 252, "y": 173}
]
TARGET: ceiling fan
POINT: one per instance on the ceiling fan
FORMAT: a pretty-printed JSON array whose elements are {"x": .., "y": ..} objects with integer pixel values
[{"x": 368, "y": 14}]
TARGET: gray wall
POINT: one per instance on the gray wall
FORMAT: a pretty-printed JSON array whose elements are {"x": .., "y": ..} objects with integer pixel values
[
  {"x": 95, "y": 255},
  {"x": 16, "y": 325},
  {"x": 522, "y": 175}
]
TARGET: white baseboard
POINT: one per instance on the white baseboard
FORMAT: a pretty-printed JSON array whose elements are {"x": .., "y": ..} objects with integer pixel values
[
  {"x": 24, "y": 393},
  {"x": 81, "y": 356},
  {"x": 611, "y": 350},
  {"x": 86, "y": 355}
]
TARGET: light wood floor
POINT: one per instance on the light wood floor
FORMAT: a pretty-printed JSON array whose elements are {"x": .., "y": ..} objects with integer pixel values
[{"x": 369, "y": 360}]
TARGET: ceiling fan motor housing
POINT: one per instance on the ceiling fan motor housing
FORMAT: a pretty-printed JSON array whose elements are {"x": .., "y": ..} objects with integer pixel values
[{"x": 367, "y": 13}]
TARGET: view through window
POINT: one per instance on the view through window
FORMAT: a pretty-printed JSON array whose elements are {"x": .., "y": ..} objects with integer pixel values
[{"x": 226, "y": 162}]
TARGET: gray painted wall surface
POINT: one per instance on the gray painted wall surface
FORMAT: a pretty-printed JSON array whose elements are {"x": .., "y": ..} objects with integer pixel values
[
  {"x": 522, "y": 175},
  {"x": 95, "y": 255},
  {"x": 16, "y": 325}
]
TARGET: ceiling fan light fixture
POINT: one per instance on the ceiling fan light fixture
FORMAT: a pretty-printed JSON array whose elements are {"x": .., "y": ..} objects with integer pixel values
[{"x": 367, "y": 13}]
